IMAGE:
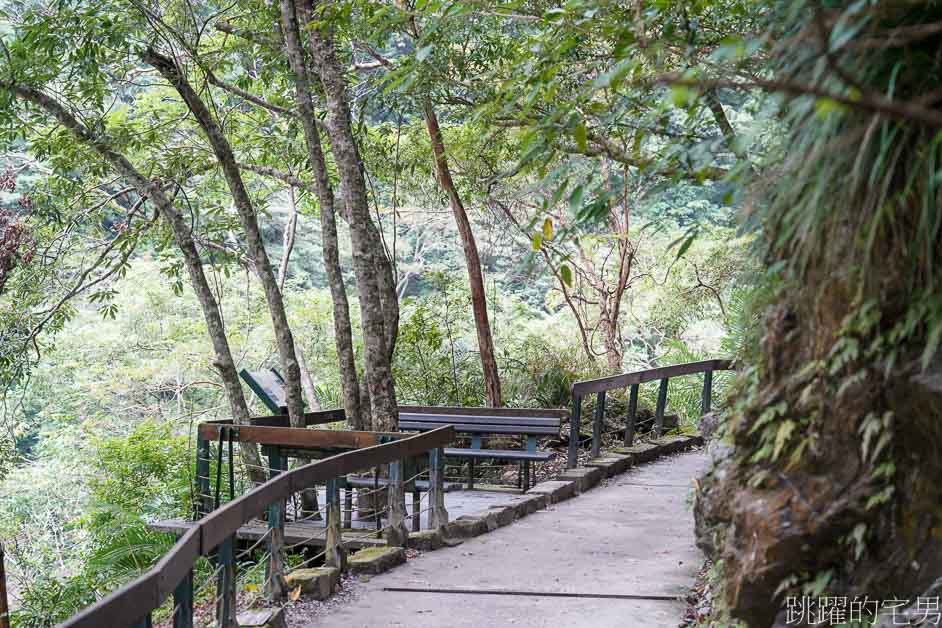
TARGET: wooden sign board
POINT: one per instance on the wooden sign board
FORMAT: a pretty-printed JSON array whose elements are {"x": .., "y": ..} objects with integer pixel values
[{"x": 269, "y": 386}]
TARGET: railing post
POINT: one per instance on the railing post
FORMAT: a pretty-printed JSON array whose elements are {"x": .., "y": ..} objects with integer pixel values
[
  {"x": 706, "y": 399},
  {"x": 275, "y": 569},
  {"x": 334, "y": 554},
  {"x": 183, "y": 602},
  {"x": 202, "y": 478},
  {"x": 437, "y": 515},
  {"x": 659, "y": 410},
  {"x": 226, "y": 585},
  {"x": 597, "y": 424},
  {"x": 632, "y": 415},
  {"x": 396, "y": 534},
  {"x": 574, "y": 431}
]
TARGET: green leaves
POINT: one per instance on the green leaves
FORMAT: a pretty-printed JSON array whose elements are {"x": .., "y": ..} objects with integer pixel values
[
  {"x": 544, "y": 235},
  {"x": 566, "y": 274},
  {"x": 685, "y": 241},
  {"x": 682, "y": 96},
  {"x": 580, "y": 135}
]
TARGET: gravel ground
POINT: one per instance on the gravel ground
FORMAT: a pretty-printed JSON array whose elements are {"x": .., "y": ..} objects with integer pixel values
[
  {"x": 347, "y": 592},
  {"x": 699, "y": 601}
]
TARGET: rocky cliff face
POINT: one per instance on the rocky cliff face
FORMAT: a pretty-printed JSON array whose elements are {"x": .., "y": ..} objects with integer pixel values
[{"x": 859, "y": 513}]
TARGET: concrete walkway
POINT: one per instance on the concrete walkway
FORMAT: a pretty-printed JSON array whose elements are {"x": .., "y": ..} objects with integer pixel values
[{"x": 632, "y": 535}]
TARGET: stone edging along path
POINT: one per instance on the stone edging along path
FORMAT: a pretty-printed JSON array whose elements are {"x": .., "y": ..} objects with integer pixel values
[{"x": 568, "y": 484}]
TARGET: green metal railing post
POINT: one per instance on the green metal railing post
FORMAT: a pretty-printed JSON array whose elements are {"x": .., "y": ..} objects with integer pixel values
[
  {"x": 437, "y": 515},
  {"x": 574, "y": 432},
  {"x": 706, "y": 399},
  {"x": 597, "y": 424},
  {"x": 275, "y": 569},
  {"x": 632, "y": 415},
  {"x": 659, "y": 410},
  {"x": 202, "y": 478},
  {"x": 396, "y": 533},
  {"x": 334, "y": 554},
  {"x": 226, "y": 585},
  {"x": 183, "y": 603}
]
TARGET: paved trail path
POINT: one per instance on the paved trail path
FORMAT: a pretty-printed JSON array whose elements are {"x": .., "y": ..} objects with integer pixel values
[{"x": 632, "y": 535}]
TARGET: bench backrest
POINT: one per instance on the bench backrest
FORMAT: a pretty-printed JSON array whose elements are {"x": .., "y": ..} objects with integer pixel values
[
  {"x": 478, "y": 421},
  {"x": 480, "y": 424}
]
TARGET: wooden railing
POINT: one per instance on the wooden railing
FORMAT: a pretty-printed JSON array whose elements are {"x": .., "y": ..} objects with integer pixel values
[
  {"x": 215, "y": 534},
  {"x": 634, "y": 380}
]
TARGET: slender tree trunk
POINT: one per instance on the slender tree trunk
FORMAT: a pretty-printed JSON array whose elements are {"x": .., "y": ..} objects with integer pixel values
[
  {"x": 719, "y": 115},
  {"x": 613, "y": 349},
  {"x": 223, "y": 363},
  {"x": 388, "y": 294},
  {"x": 343, "y": 334},
  {"x": 256, "y": 246},
  {"x": 471, "y": 257},
  {"x": 291, "y": 229},
  {"x": 309, "y": 507},
  {"x": 366, "y": 252},
  {"x": 307, "y": 382},
  {"x": 393, "y": 311},
  {"x": 4, "y": 606},
  {"x": 287, "y": 240}
]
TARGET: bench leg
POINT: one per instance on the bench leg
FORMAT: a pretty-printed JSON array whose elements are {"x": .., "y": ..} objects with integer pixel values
[
  {"x": 520, "y": 475},
  {"x": 526, "y": 476},
  {"x": 348, "y": 507},
  {"x": 416, "y": 510},
  {"x": 471, "y": 474}
]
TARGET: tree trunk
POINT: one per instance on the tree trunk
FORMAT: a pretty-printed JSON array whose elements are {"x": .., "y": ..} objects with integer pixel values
[
  {"x": 343, "y": 335},
  {"x": 249, "y": 219},
  {"x": 307, "y": 382},
  {"x": 224, "y": 363},
  {"x": 291, "y": 228},
  {"x": 377, "y": 341},
  {"x": 4, "y": 606},
  {"x": 472, "y": 260},
  {"x": 613, "y": 348},
  {"x": 391, "y": 314}
]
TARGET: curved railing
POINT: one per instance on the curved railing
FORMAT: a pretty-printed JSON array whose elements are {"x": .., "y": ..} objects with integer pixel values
[
  {"x": 634, "y": 380},
  {"x": 133, "y": 604}
]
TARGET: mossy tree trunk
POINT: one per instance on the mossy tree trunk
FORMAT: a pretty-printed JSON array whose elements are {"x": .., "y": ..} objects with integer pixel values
[
  {"x": 482, "y": 324},
  {"x": 379, "y": 308},
  {"x": 325, "y": 195},
  {"x": 249, "y": 219}
]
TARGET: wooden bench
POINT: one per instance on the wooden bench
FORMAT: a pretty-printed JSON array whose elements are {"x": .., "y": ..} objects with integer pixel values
[{"x": 530, "y": 423}]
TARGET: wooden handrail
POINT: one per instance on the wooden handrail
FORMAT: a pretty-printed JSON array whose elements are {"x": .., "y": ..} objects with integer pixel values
[
  {"x": 129, "y": 604},
  {"x": 603, "y": 384},
  {"x": 648, "y": 375}
]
